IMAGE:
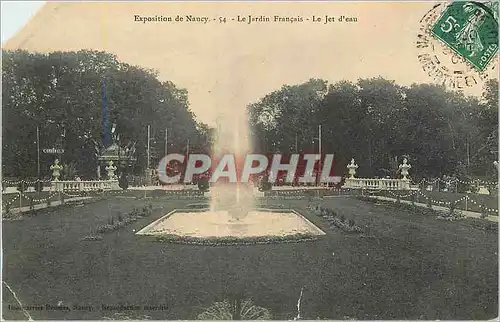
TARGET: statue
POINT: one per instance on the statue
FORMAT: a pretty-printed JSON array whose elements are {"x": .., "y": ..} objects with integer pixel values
[
  {"x": 111, "y": 171},
  {"x": 352, "y": 169},
  {"x": 56, "y": 170},
  {"x": 404, "y": 168}
]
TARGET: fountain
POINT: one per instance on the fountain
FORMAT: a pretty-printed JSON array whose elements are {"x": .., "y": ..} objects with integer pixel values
[{"x": 232, "y": 212}]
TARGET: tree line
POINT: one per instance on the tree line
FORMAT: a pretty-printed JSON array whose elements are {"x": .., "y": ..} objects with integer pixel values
[
  {"x": 61, "y": 94},
  {"x": 378, "y": 122},
  {"x": 375, "y": 121}
]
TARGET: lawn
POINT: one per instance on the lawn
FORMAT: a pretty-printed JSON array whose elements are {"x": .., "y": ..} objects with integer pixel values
[{"x": 405, "y": 267}]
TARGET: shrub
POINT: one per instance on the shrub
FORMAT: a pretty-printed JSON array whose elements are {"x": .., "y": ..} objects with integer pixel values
[
  {"x": 453, "y": 206},
  {"x": 93, "y": 237},
  {"x": 233, "y": 241},
  {"x": 484, "y": 213},
  {"x": 7, "y": 208},
  {"x": 123, "y": 182},
  {"x": 21, "y": 186},
  {"x": 38, "y": 186},
  {"x": 203, "y": 185},
  {"x": 148, "y": 210},
  {"x": 265, "y": 186},
  {"x": 491, "y": 226},
  {"x": 235, "y": 310}
]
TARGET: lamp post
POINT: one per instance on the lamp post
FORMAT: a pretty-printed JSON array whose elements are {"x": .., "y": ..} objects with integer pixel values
[{"x": 319, "y": 138}]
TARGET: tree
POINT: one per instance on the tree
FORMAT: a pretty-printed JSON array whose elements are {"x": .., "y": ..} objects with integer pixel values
[
  {"x": 61, "y": 92},
  {"x": 377, "y": 121}
]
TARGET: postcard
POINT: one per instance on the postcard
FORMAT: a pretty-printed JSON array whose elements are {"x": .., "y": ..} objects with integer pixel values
[{"x": 250, "y": 160}]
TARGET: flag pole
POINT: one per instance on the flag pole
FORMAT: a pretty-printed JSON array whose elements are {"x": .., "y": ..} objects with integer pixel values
[
  {"x": 38, "y": 154},
  {"x": 319, "y": 148},
  {"x": 149, "y": 139}
]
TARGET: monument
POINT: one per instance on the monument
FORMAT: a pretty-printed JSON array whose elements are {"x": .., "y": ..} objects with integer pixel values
[
  {"x": 111, "y": 171},
  {"x": 121, "y": 156}
]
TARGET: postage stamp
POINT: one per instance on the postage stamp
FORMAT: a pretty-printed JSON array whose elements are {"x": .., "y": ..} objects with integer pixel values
[
  {"x": 458, "y": 43},
  {"x": 470, "y": 30}
]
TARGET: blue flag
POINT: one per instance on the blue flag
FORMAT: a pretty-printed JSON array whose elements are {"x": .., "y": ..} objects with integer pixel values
[{"x": 106, "y": 135}]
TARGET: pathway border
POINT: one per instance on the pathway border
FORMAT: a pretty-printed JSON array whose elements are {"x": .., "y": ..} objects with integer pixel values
[{"x": 471, "y": 214}]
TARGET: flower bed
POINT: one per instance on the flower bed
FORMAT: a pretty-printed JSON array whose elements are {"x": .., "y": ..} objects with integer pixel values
[
  {"x": 234, "y": 241},
  {"x": 272, "y": 206},
  {"x": 92, "y": 238},
  {"x": 283, "y": 197},
  {"x": 123, "y": 220},
  {"x": 198, "y": 206},
  {"x": 186, "y": 197},
  {"x": 336, "y": 220},
  {"x": 184, "y": 193}
]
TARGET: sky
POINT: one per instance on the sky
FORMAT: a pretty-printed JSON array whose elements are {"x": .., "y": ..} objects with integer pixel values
[{"x": 15, "y": 14}]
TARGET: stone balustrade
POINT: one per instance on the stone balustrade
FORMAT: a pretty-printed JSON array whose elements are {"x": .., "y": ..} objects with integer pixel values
[
  {"x": 94, "y": 185},
  {"x": 378, "y": 184}
]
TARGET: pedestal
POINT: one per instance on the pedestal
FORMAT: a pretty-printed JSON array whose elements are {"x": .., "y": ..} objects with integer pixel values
[
  {"x": 348, "y": 184},
  {"x": 115, "y": 185},
  {"x": 57, "y": 185},
  {"x": 405, "y": 184}
]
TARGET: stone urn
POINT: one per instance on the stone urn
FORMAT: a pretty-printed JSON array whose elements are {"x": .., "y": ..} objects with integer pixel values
[
  {"x": 56, "y": 170},
  {"x": 352, "y": 169}
]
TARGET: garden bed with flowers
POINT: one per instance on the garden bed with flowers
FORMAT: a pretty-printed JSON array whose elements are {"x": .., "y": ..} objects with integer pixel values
[
  {"x": 336, "y": 220},
  {"x": 234, "y": 241},
  {"x": 117, "y": 222}
]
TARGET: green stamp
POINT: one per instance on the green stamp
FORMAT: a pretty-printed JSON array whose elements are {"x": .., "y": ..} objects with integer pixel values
[{"x": 470, "y": 29}]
